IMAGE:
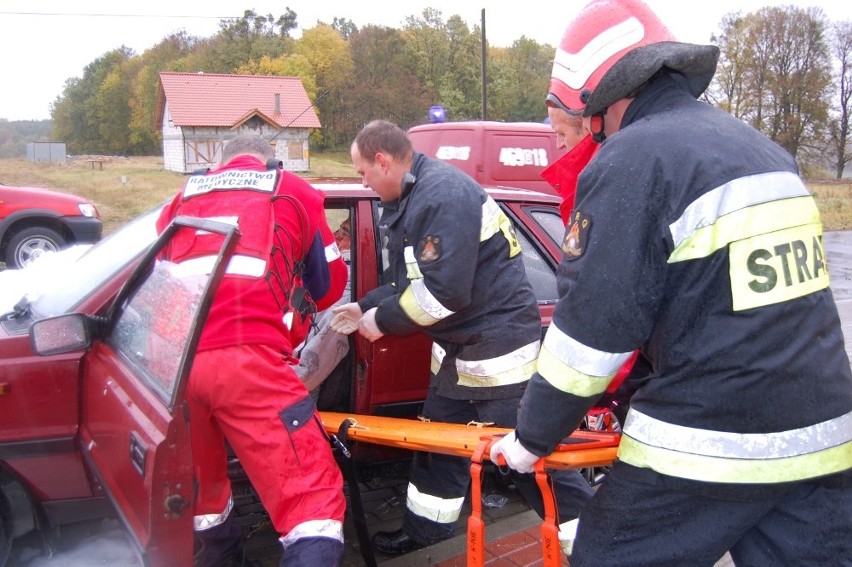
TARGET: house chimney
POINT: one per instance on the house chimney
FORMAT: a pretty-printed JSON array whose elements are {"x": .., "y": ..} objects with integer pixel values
[{"x": 277, "y": 103}]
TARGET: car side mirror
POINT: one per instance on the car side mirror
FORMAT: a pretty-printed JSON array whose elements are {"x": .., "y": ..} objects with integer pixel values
[{"x": 65, "y": 333}]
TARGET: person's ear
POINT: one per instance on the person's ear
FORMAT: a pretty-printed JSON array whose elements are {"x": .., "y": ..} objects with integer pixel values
[{"x": 383, "y": 162}]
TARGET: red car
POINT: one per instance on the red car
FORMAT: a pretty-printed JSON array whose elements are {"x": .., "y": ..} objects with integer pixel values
[
  {"x": 35, "y": 220},
  {"x": 95, "y": 425}
]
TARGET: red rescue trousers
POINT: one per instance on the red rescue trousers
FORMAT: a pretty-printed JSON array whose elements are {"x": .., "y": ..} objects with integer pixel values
[{"x": 251, "y": 396}]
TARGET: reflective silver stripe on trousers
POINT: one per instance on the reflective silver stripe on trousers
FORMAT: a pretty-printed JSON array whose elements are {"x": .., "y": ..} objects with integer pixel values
[
  {"x": 207, "y": 521},
  {"x": 441, "y": 510},
  {"x": 313, "y": 528},
  {"x": 761, "y": 446},
  {"x": 239, "y": 265}
]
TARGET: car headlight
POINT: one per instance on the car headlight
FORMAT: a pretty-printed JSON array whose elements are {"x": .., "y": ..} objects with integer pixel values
[{"x": 87, "y": 209}]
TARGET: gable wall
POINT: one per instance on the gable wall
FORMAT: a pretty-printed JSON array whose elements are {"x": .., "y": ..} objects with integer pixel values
[{"x": 191, "y": 148}]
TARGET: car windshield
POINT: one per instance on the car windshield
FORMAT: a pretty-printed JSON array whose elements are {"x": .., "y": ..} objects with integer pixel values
[{"x": 60, "y": 285}]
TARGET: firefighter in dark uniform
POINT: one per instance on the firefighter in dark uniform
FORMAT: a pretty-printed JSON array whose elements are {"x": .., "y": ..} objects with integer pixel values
[
  {"x": 458, "y": 276},
  {"x": 694, "y": 239}
]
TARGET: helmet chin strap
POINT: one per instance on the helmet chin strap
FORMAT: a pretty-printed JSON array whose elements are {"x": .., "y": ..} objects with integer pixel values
[{"x": 596, "y": 125}]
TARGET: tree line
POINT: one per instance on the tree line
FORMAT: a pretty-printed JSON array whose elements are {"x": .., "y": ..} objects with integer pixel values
[{"x": 785, "y": 70}]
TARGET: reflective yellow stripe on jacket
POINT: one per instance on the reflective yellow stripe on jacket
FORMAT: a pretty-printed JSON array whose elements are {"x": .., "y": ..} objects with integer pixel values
[
  {"x": 771, "y": 226},
  {"x": 417, "y": 301},
  {"x": 510, "y": 368},
  {"x": 575, "y": 368},
  {"x": 719, "y": 456}
]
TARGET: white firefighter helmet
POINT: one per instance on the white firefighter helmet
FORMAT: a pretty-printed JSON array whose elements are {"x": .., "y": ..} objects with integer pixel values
[{"x": 613, "y": 47}]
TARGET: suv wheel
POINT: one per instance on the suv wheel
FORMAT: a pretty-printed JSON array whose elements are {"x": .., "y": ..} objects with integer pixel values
[{"x": 30, "y": 243}]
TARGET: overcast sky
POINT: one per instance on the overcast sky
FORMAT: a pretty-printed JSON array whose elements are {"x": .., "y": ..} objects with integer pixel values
[{"x": 46, "y": 42}]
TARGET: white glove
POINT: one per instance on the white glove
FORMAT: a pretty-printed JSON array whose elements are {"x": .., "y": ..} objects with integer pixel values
[
  {"x": 346, "y": 317},
  {"x": 367, "y": 326},
  {"x": 517, "y": 458}
]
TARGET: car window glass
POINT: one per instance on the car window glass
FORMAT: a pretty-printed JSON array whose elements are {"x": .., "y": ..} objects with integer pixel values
[
  {"x": 340, "y": 221},
  {"x": 156, "y": 324},
  {"x": 550, "y": 221},
  {"x": 62, "y": 292},
  {"x": 382, "y": 241},
  {"x": 539, "y": 271}
]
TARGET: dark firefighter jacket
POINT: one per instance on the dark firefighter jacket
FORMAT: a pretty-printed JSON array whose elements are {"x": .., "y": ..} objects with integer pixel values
[
  {"x": 694, "y": 239},
  {"x": 457, "y": 274}
]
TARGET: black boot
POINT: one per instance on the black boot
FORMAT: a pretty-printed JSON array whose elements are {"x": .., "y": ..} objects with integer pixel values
[{"x": 394, "y": 543}]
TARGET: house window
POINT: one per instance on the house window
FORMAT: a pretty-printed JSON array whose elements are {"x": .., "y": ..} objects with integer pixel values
[{"x": 295, "y": 150}]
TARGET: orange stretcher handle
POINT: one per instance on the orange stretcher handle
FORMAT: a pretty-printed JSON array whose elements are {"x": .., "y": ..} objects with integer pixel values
[
  {"x": 475, "y": 523},
  {"x": 551, "y": 551}
]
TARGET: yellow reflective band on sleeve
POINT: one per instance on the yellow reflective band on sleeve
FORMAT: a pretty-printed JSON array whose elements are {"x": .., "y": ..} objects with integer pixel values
[
  {"x": 723, "y": 456},
  {"x": 746, "y": 223},
  {"x": 494, "y": 220},
  {"x": 511, "y": 368},
  {"x": 575, "y": 368},
  {"x": 412, "y": 270},
  {"x": 442, "y": 510},
  {"x": 777, "y": 267},
  {"x": 567, "y": 379},
  {"x": 421, "y": 306},
  {"x": 744, "y": 471},
  {"x": 438, "y": 355}
]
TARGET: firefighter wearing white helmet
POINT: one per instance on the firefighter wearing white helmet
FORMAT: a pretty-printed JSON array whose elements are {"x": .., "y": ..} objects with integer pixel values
[{"x": 693, "y": 239}]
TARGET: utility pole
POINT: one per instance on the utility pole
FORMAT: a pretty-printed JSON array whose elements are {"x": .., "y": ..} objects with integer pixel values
[{"x": 484, "y": 70}]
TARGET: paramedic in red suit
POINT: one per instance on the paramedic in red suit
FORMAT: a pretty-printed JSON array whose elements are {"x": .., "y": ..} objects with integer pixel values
[{"x": 242, "y": 387}]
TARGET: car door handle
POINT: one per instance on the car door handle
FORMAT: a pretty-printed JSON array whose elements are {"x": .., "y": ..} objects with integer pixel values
[{"x": 138, "y": 453}]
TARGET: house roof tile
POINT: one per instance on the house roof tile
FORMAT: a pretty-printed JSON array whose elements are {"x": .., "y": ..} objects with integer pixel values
[{"x": 210, "y": 99}]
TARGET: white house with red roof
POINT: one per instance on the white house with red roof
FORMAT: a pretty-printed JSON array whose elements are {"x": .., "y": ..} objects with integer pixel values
[{"x": 199, "y": 112}]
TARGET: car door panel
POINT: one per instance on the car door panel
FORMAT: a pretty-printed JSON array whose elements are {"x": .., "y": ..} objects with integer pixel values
[
  {"x": 140, "y": 453},
  {"x": 134, "y": 431}
]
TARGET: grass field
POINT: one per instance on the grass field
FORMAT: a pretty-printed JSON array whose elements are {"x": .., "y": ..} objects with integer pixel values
[{"x": 126, "y": 187}]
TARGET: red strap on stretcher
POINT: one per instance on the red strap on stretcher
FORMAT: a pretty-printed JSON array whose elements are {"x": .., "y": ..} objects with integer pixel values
[
  {"x": 475, "y": 523},
  {"x": 551, "y": 551}
]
